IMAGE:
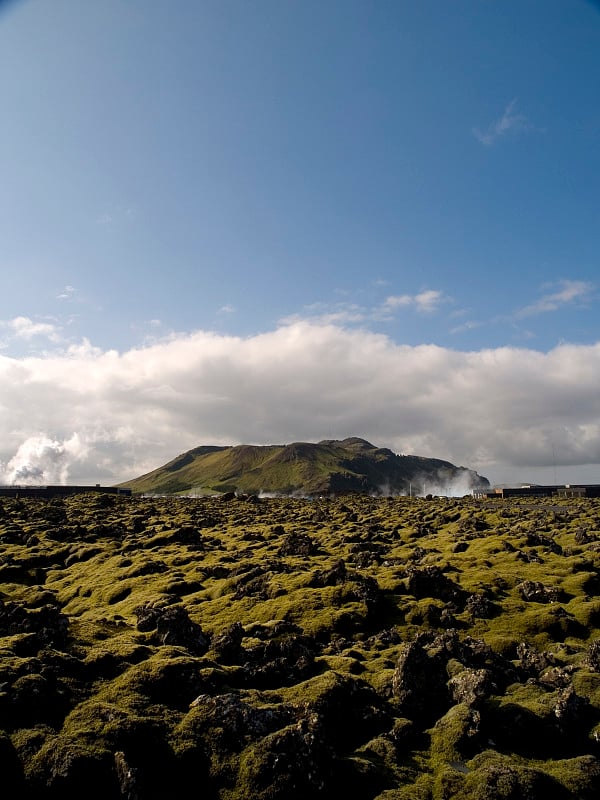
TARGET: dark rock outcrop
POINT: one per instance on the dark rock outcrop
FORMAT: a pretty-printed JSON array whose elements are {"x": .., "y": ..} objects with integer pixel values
[{"x": 173, "y": 626}]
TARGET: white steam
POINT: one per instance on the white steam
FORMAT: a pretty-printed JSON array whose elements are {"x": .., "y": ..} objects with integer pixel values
[
  {"x": 422, "y": 484},
  {"x": 42, "y": 460},
  {"x": 457, "y": 486}
]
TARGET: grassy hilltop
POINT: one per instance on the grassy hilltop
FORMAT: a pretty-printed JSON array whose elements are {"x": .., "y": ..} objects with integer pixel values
[
  {"x": 374, "y": 649},
  {"x": 331, "y": 466}
]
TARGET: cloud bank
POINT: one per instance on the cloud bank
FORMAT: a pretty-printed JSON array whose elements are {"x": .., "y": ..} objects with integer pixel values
[{"x": 85, "y": 415}]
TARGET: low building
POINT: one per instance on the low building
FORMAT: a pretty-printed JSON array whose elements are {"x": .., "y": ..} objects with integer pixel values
[
  {"x": 535, "y": 490},
  {"x": 48, "y": 492}
]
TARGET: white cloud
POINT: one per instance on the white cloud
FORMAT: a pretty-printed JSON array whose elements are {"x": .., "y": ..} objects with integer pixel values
[
  {"x": 349, "y": 313},
  {"x": 398, "y": 301},
  {"x": 66, "y": 293},
  {"x": 499, "y": 411},
  {"x": 25, "y": 328},
  {"x": 511, "y": 122},
  {"x": 566, "y": 292},
  {"x": 423, "y": 302},
  {"x": 470, "y": 325},
  {"x": 328, "y": 314}
]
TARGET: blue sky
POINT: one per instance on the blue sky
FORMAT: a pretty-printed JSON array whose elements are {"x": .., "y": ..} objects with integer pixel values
[{"x": 256, "y": 222}]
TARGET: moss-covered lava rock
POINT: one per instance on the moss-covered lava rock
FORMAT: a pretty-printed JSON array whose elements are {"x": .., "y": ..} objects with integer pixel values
[{"x": 389, "y": 649}]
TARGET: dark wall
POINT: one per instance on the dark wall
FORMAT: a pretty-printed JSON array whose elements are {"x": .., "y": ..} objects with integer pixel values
[{"x": 58, "y": 491}]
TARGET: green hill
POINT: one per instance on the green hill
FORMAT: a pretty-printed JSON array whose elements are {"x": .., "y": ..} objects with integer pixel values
[{"x": 329, "y": 467}]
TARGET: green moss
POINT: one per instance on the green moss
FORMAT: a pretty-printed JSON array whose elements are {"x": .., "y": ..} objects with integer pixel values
[
  {"x": 455, "y": 737},
  {"x": 111, "y": 687},
  {"x": 447, "y": 783},
  {"x": 492, "y": 774},
  {"x": 342, "y": 664},
  {"x": 587, "y": 684},
  {"x": 28, "y": 741},
  {"x": 579, "y": 777}
]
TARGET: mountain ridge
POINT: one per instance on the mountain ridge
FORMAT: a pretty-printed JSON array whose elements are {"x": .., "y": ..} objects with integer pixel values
[{"x": 330, "y": 466}]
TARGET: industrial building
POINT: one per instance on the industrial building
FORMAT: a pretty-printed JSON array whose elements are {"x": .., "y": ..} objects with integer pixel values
[
  {"x": 48, "y": 492},
  {"x": 535, "y": 490}
]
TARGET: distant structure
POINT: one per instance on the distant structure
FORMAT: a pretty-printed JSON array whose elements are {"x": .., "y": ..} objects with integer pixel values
[
  {"x": 48, "y": 492},
  {"x": 534, "y": 490}
]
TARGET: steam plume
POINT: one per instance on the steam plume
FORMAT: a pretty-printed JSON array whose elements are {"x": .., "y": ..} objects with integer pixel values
[{"x": 42, "y": 460}]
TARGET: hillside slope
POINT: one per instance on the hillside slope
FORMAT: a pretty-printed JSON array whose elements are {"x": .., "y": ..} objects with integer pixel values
[{"x": 329, "y": 467}]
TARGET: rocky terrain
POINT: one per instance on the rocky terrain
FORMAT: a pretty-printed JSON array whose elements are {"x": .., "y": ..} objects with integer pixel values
[
  {"x": 398, "y": 649},
  {"x": 304, "y": 468}
]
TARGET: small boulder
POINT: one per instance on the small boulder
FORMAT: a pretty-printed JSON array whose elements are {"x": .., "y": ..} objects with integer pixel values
[
  {"x": 537, "y": 592},
  {"x": 471, "y": 686},
  {"x": 228, "y": 645},
  {"x": 478, "y": 606},
  {"x": 430, "y": 581},
  {"x": 173, "y": 627},
  {"x": 297, "y": 544},
  {"x": 592, "y": 659}
]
